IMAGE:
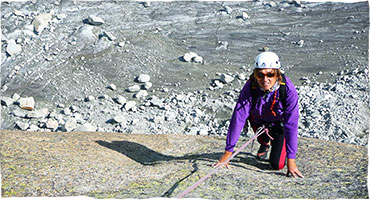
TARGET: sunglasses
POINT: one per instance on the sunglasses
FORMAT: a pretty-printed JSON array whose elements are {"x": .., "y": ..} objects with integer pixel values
[{"x": 269, "y": 75}]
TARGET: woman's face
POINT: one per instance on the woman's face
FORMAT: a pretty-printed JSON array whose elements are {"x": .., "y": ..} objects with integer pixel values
[{"x": 266, "y": 78}]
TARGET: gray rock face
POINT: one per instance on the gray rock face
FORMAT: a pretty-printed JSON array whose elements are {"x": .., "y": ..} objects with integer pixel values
[{"x": 141, "y": 159}]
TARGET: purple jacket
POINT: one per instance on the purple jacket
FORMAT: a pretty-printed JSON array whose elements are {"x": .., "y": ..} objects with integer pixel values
[{"x": 289, "y": 115}]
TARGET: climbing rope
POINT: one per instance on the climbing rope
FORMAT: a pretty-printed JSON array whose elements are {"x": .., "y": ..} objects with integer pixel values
[{"x": 259, "y": 132}]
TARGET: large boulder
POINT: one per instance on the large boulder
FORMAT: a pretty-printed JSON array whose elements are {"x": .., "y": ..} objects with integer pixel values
[{"x": 26, "y": 103}]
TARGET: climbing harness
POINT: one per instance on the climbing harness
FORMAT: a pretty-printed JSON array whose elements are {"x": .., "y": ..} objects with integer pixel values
[{"x": 259, "y": 132}]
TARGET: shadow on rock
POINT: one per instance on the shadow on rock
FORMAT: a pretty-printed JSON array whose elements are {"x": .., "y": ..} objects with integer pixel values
[{"x": 147, "y": 156}]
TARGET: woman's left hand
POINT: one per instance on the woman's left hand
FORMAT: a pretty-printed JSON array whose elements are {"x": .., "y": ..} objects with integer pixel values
[{"x": 293, "y": 169}]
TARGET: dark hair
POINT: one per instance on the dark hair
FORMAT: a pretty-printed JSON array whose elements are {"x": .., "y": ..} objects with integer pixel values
[{"x": 276, "y": 71}]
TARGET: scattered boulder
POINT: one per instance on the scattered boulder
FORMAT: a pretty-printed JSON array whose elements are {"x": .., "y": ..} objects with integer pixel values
[
  {"x": 41, "y": 22},
  {"x": 67, "y": 111},
  {"x": 130, "y": 105},
  {"x": 134, "y": 88},
  {"x": 147, "y": 85},
  {"x": 192, "y": 57},
  {"x": 19, "y": 113},
  {"x": 85, "y": 34},
  {"x": 180, "y": 97},
  {"x": 141, "y": 94},
  {"x": 227, "y": 9},
  {"x": 18, "y": 13},
  {"x": 6, "y": 101},
  {"x": 26, "y": 103},
  {"x": 104, "y": 97},
  {"x": 218, "y": 84},
  {"x": 146, "y": 3},
  {"x": 33, "y": 128},
  {"x": 13, "y": 48},
  {"x": 225, "y": 78},
  {"x": 300, "y": 43},
  {"x": 42, "y": 113},
  {"x": 203, "y": 132},
  {"x": 222, "y": 45},
  {"x": 87, "y": 127},
  {"x": 61, "y": 16},
  {"x": 188, "y": 56},
  {"x": 109, "y": 35},
  {"x": 121, "y": 44},
  {"x": 112, "y": 86},
  {"x": 89, "y": 98},
  {"x": 170, "y": 116},
  {"x": 241, "y": 76},
  {"x": 263, "y": 49},
  {"x": 118, "y": 119},
  {"x": 155, "y": 101},
  {"x": 103, "y": 44},
  {"x": 245, "y": 16},
  {"x": 197, "y": 59},
  {"x": 143, "y": 78},
  {"x": 192, "y": 131},
  {"x": 16, "y": 97},
  {"x": 51, "y": 124},
  {"x": 120, "y": 99},
  {"x": 22, "y": 125},
  {"x": 158, "y": 119},
  {"x": 73, "y": 108},
  {"x": 94, "y": 20},
  {"x": 270, "y": 4},
  {"x": 70, "y": 125}
]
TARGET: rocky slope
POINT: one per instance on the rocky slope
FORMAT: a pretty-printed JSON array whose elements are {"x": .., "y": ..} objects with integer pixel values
[{"x": 113, "y": 165}]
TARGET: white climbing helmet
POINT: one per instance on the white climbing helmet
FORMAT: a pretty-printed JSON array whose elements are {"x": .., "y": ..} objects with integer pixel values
[{"x": 267, "y": 59}]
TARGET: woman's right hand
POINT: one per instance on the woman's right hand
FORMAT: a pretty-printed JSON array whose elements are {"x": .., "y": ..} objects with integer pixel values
[{"x": 224, "y": 157}]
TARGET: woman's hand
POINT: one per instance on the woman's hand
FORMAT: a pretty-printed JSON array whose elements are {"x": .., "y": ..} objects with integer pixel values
[
  {"x": 292, "y": 169},
  {"x": 224, "y": 157}
]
